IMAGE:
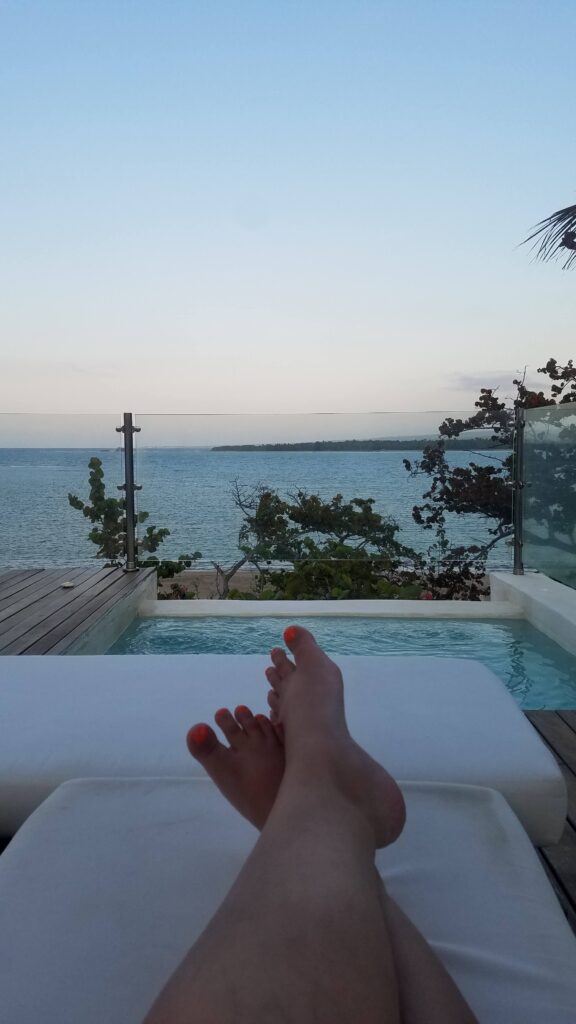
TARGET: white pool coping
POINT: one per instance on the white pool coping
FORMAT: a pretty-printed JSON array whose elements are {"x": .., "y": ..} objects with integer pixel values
[{"x": 505, "y": 609}]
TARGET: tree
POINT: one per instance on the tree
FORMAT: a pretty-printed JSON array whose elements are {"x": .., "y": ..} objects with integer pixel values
[
  {"x": 224, "y": 575},
  {"x": 109, "y": 530},
  {"x": 307, "y": 548},
  {"x": 555, "y": 236},
  {"x": 484, "y": 489}
]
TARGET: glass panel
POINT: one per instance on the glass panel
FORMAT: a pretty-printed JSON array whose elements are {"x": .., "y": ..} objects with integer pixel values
[
  {"x": 43, "y": 458},
  {"x": 550, "y": 492},
  {"x": 188, "y": 466}
]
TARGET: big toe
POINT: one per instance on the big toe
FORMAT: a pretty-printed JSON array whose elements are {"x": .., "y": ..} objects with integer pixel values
[
  {"x": 299, "y": 640},
  {"x": 204, "y": 745},
  {"x": 307, "y": 653}
]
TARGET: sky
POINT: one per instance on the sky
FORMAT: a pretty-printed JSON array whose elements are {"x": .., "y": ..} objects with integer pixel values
[{"x": 280, "y": 206}]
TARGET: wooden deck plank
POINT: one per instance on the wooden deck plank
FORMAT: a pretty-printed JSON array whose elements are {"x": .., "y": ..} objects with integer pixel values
[
  {"x": 569, "y": 776},
  {"x": 570, "y": 718},
  {"x": 46, "y": 583},
  {"x": 561, "y": 895},
  {"x": 76, "y": 631},
  {"x": 8, "y": 576},
  {"x": 37, "y": 616},
  {"x": 76, "y": 619},
  {"x": 562, "y": 860},
  {"x": 33, "y": 617},
  {"x": 557, "y": 733},
  {"x": 59, "y": 607},
  {"x": 14, "y": 586}
]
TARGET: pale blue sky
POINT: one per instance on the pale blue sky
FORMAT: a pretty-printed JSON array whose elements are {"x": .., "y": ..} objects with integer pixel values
[{"x": 279, "y": 206}]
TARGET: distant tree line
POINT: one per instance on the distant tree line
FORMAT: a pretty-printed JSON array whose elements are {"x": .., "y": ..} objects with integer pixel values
[{"x": 375, "y": 445}]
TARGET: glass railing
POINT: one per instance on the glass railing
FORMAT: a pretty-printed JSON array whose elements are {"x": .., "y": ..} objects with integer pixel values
[
  {"x": 196, "y": 472},
  {"x": 43, "y": 458},
  {"x": 550, "y": 492}
]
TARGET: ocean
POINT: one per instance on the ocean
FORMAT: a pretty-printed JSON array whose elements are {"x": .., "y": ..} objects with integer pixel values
[{"x": 188, "y": 490}]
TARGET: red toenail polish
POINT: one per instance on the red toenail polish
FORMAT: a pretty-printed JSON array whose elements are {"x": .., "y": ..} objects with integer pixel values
[
  {"x": 242, "y": 710},
  {"x": 221, "y": 711},
  {"x": 199, "y": 734},
  {"x": 290, "y": 634},
  {"x": 261, "y": 718}
]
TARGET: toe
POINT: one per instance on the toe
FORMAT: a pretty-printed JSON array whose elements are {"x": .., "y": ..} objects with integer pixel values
[
  {"x": 307, "y": 653},
  {"x": 281, "y": 662},
  {"x": 246, "y": 719},
  {"x": 225, "y": 720},
  {"x": 273, "y": 701},
  {"x": 273, "y": 677},
  {"x": 203, "y": 743},
  {"x": 298, "y": 640},
  {"x": 268, "y": 729}
]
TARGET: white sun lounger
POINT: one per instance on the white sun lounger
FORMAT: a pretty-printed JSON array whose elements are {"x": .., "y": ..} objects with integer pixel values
[
  {"x": 109, "y": 882},
  {"x": 426, "y": 719}
]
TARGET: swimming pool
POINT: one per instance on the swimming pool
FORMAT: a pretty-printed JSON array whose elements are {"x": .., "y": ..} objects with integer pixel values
[{"x": 538, "y": 672}]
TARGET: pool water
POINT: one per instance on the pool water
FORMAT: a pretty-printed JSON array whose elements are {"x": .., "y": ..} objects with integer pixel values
[{"x": 538, "y": 672}]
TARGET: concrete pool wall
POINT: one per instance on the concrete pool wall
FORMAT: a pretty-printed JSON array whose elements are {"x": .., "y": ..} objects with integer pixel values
[{"x": 547, "y": 605}]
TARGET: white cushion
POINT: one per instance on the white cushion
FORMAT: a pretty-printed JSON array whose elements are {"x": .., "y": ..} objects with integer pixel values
[
  {"x": 439, "y": 720},
  {"x": 108, "y": 884}
]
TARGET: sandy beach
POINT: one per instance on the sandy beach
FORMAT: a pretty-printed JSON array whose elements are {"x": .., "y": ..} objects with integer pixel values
[{"x": 201, "y": 583}]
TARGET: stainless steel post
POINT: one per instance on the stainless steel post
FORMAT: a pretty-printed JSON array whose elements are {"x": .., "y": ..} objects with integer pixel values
[
  {"x": 129, "y": 487},
  {"x": 518, "y": 490}
]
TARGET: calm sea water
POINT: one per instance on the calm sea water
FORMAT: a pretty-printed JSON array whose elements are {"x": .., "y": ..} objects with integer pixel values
[{"x": 188, "y": 490}]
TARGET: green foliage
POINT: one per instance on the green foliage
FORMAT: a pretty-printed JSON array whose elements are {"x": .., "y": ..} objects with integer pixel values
[
  {"x": 334, "y": 581},
  {"x": 109, "y": 530},
  {"x": 485, "y": 490},
  {"x": 331, "y": 550}
]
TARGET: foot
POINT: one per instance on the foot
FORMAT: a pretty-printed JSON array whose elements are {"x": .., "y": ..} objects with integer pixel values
[
  {"x": 307, "y": 698},
  {"x": 249, "y": 771}
]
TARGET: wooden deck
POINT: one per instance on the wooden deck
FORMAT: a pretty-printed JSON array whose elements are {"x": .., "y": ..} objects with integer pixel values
[
  {"x": 558, "y": 730},
  {"x": 40, "y": 616}
]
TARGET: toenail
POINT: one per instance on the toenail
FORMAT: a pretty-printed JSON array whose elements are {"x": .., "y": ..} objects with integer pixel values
[
  {"x": 243, "y": 710},
  {"x": 221, "y": 711},
  {"x": 290, "y": 634},
  {"x": 199, "y": 734},
  {"x": 262, "y": 719}
]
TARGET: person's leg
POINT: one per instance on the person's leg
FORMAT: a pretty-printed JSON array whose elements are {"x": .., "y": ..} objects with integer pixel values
[
  {"x": 301, "y": 937},
  {"x": 248, "y": 773},
  {"x": 427, "y": 993}
]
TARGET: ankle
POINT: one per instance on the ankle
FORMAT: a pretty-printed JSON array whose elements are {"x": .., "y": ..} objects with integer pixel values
[{"x": 316, "y": 800}]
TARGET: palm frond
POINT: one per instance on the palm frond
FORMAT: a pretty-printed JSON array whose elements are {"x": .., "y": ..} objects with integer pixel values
[{"x": 555, "y": 237}]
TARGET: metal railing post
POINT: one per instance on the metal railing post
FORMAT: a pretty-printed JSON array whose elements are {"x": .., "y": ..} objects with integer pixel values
[
  {"x": 518, "y": 488},
  {"x": 129, "y": 487}
]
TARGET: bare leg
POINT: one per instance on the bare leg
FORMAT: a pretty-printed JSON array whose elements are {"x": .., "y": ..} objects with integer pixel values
[
  {"x": 302, "y": 935},
  {"x": 248, "y": 773},
  {"x": 427, "y": 993},
  {"x": 301, "y": 938}
]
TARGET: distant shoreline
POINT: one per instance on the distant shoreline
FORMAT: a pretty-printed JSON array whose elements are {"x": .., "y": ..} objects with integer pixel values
[{"x": 391, "y": 445}]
